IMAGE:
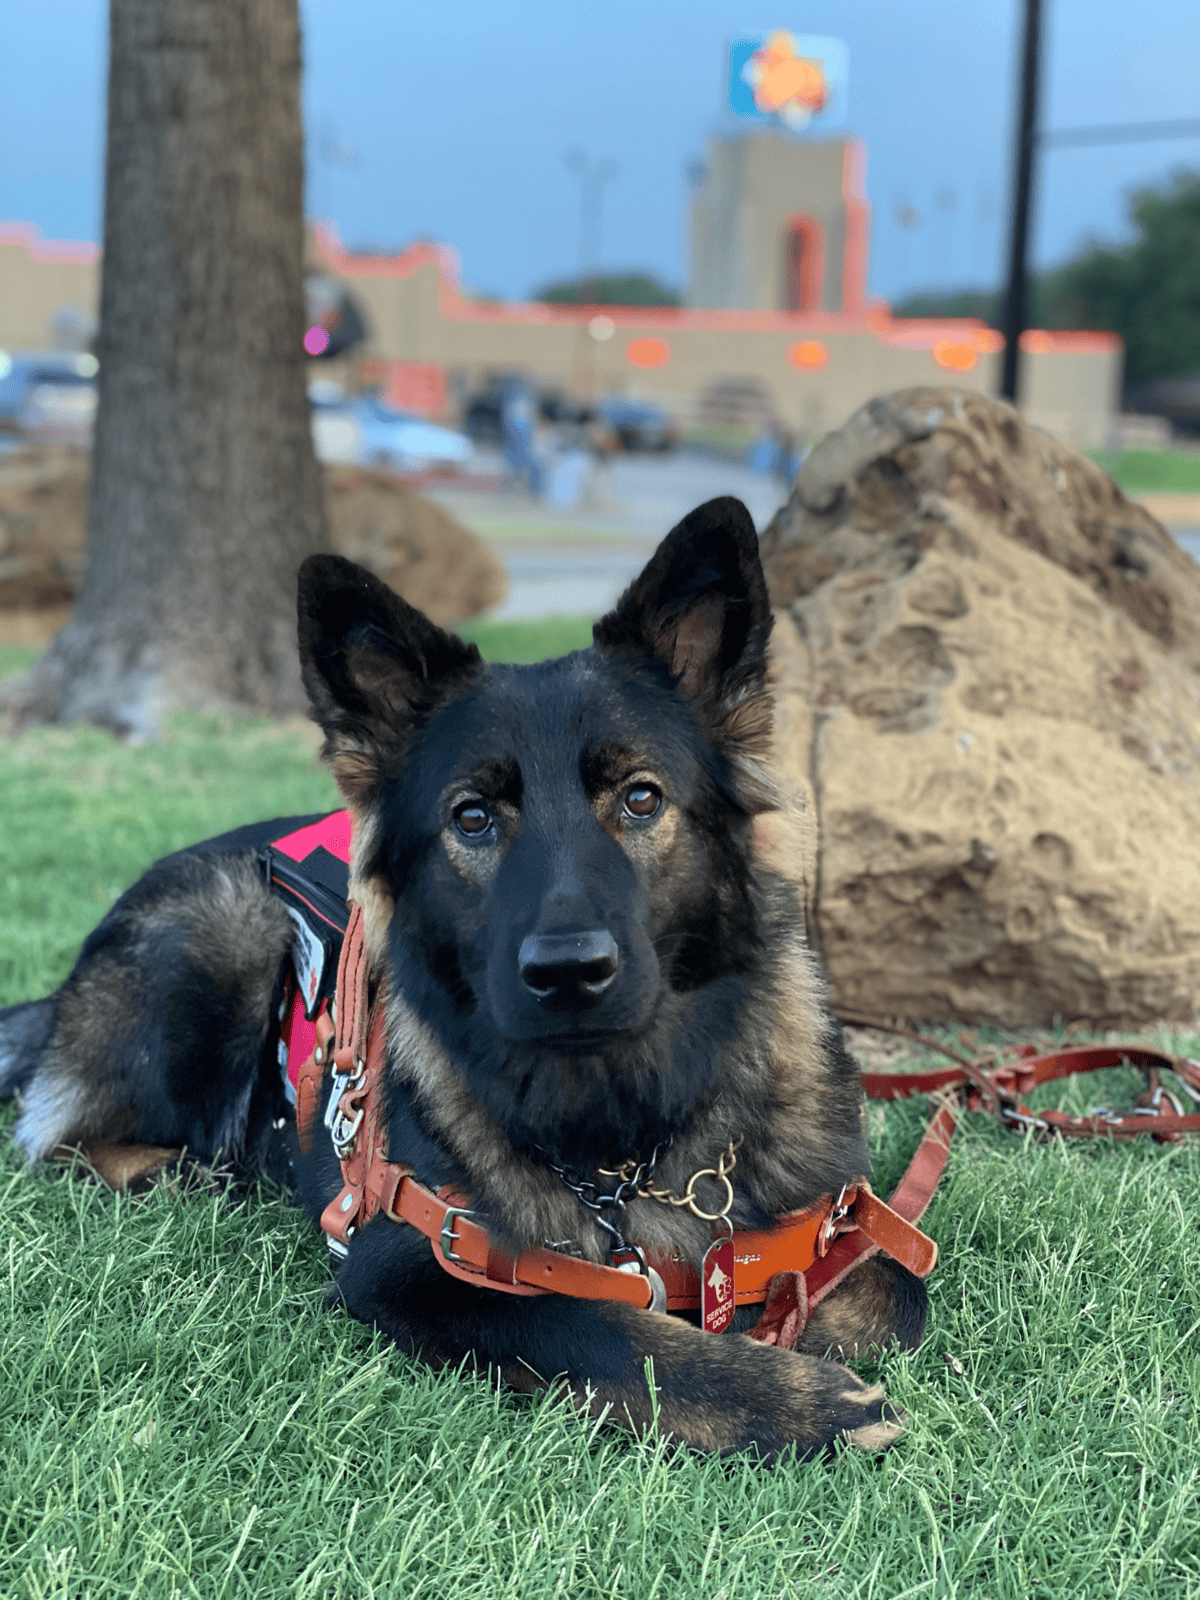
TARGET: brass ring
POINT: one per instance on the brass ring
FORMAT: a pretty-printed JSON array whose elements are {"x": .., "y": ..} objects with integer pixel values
[{"x": 690, "y": 1196}]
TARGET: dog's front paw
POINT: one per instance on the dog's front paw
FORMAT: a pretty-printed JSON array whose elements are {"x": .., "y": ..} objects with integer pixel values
[
  {"x": 882, "y": 1433},
  {"x": 829, "y": 1402},
  {"x": 763, "y": 1400}
]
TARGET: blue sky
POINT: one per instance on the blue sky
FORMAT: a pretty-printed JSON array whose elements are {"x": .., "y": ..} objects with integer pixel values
[{"x": 460, "y": 114}]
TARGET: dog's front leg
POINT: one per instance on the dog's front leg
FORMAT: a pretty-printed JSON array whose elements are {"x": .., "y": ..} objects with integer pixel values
[
  {"x": 722, "y": 1392},
  {"x": 879, "y": 1304},
  {"x": 719, "y": 1392}
]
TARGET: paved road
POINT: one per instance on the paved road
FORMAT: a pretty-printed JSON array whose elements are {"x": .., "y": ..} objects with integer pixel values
[{"x": 577, "y": 561}]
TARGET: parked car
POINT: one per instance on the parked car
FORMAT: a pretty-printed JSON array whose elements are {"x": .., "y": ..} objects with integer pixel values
[
  {"x": 48, "y": 396},
  {"x": 639, "y": 424},
  {"x": 367, "y": 432},
  {"x": 483, "y": 414},
  {"x": 1177, "y": 399},
  {"x": 484, "y": 409}
]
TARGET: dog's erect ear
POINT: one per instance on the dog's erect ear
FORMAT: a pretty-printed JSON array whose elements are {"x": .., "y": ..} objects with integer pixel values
[
  {"x": 700, "y": 607},
  {"x": 372, "y": 664}
]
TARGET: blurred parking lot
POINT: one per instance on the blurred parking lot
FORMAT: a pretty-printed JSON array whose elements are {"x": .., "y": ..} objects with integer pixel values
[
  {"x": 578, "y": 559},
  {"x": 573, "y": 508}
]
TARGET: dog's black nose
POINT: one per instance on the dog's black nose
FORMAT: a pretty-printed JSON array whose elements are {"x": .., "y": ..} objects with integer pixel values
[{"x": 568, "y": 971}]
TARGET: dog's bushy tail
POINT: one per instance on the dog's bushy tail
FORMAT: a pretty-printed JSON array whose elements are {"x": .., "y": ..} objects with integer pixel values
[{"x": 24, "y": 1033}]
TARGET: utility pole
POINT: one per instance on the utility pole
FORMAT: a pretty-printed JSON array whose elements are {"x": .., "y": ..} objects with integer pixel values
[
  {"x": 1016, "y": 297},
  {"x": 907, "y": 218},
  {"x": 337, "y": 153},
  {"x": 592, "y": 178}
]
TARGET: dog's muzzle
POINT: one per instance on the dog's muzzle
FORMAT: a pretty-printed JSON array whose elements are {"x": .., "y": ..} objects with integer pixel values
[{"x": 568, "y": 971}]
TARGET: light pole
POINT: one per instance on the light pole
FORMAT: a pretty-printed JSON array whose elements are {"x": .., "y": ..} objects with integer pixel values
[
  {"x": 907, "y": 218},
  {"x": 1015, "y": 317},
  {"x": 946, "y": 200},
  {"x": 592, "y": 175}
]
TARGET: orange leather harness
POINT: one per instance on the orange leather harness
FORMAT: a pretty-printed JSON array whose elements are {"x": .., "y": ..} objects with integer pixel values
[
  {"x": 823, "y": 1241},
  {"x": 790, "y": 1267},
  {"x": 1159, "y": 1112}
]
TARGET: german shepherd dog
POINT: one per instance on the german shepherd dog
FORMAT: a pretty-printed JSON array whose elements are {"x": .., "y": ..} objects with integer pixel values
[{"x": 583, "y": 961}]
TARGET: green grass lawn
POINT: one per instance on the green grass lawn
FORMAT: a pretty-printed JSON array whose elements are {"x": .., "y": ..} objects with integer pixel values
[
  {"x": 1144, "y": 471},
  {"x": 16, "y": 657},
  {"x": 181, "y": 1415},
  {"x": 533, "y": 640}
]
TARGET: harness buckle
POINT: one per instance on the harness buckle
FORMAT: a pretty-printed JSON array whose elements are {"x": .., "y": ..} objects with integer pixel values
[{"x": 448, "y": 1236}]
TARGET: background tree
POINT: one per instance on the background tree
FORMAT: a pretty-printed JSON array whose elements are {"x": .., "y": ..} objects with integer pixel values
[
  {"x": 609, "y": 289},
  {"x": 1148, "y": 290},
  {"x": 205, "y": 494}
]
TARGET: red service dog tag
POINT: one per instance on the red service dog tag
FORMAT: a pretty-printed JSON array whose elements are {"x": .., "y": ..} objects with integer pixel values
[{"x": 717, "y": 1299}]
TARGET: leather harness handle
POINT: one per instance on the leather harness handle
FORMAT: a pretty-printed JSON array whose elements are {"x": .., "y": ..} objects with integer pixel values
[
  {"x": 1002, "y": 1085},
  {"x": 350, "y": 1046}
]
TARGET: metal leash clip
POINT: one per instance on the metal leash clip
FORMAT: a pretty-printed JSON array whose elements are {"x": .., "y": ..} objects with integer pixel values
[
  {"x": 837, "y": 1213},
  {"x": 1024, "y": 1121},
  {"x": 343, "y": 1128},
  {"x": 639, "y": 1264},
  {"x": 337, "y": 1089},
  {"x": 345, "y": 1131}
]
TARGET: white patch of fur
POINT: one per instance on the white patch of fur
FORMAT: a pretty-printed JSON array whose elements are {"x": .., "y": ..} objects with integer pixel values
[{"x": 52, "y": 1112}]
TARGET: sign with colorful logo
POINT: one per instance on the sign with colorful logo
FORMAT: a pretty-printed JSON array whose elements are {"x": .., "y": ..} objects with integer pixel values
[{"x": 794, "y": 81}]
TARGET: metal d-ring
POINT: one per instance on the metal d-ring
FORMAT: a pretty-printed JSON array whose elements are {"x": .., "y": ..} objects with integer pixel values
[{"x": 344, "y": 1132}]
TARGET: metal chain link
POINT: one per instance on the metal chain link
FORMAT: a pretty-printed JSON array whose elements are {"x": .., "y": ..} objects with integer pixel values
[
  {"x": 644, "y": 1186},
  {"x": 632, "y": 1177}
]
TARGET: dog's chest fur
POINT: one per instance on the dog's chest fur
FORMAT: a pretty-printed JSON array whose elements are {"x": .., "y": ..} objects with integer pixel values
[{"x": 782, "y": 1093}]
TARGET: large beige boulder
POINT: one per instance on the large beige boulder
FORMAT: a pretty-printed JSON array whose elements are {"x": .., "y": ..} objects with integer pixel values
[
  {"x": 988, "y": 664},
  {"x": 414, "y": 545}
]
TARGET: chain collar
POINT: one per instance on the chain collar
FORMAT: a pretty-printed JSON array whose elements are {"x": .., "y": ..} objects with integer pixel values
[
  {"x": 645, "y": 1187},
  {"x": 635, "y": 1180},
  {"x": 632, "y": 1176}
]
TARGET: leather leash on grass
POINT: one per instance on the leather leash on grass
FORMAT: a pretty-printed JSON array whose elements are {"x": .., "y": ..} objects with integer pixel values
[{"x": 982, "y": 1085}]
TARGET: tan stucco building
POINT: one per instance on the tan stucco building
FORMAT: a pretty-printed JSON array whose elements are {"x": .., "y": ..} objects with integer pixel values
[
  {"x": 49, "y": 290},
  {"x": 814, "y": 367},
  {"x": 777, "y": 311}
]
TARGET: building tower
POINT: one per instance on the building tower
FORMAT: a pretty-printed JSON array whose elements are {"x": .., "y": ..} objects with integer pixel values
[{"x": 780, "y": 224}]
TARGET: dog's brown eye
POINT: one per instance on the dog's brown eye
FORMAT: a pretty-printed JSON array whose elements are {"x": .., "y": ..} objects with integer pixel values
[
  {"x": 472, "y": 818},
  {"x": 643, "y": 800}
]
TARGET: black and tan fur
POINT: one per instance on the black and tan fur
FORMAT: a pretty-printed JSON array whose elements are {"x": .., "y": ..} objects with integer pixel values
[{"x": 498, "y": 812}]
